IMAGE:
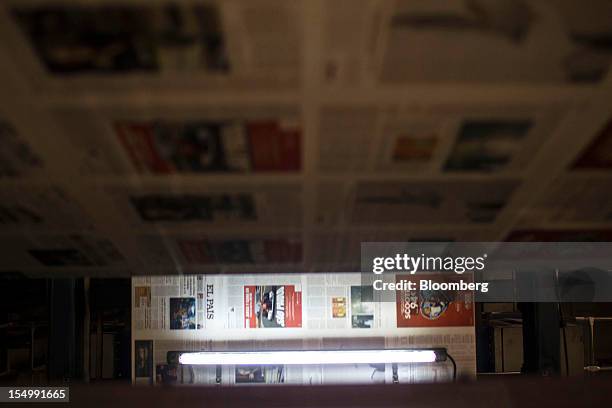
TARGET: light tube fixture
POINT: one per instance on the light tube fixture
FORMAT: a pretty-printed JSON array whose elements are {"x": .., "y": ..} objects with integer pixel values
[{"x": 303, "y": 357}]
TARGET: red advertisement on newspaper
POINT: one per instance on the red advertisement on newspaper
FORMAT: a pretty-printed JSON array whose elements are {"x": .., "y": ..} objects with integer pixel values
[
  {"x": 274, "y": 147},
  {"x": 139, "y": 141},
  {"x": 272, "y": 306},
  {"x": 429, "y": 306}
]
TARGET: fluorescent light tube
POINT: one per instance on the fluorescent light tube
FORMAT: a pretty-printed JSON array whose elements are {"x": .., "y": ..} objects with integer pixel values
[{"x": 312, "y": 357}]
